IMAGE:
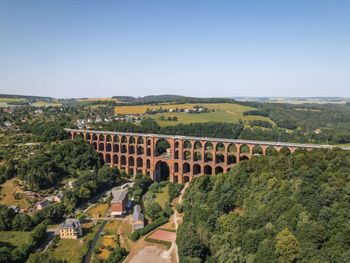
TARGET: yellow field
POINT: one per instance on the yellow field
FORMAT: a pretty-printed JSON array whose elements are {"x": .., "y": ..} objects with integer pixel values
[
  {"x": 98, "y": 210},
  {"x": 97, "y": 99},
  {"x": 11, "y": 100},
  {"x": 224, "y": 112},
  {"x": 7, "y": 192},
  {"x": 45, "y": 104}
]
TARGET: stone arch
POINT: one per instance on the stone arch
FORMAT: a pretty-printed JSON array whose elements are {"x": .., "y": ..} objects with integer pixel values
[
  {"x": 177, "y": 144},
  {"x": 219, "y": 158},
  {"x": 149, "y": 142},
  {"x": 101, "y": 137},
  {"x": 176, "y": 167},
  {"x": 176, "y": 154},
  {"x": 231, "y": 159},
  {"x": 219, "y": 170},
  {"x": 116, "y": 148},
  {"x": 123, "y": 139},
  {"x": 140, "y": 150},
  {"x": 196, "y": 169},
  {"x": 131, "y": 161},
  {"x": 285, "y": 151},
  {"x": 208, "y": 157},
  {"x": 95, "y": 146},
  {"x": 186, "y": 178},
  {"x": 132, "y": 140},
  {"x": 140, "y": 140},
  {"x": 139, "y": 162},
  {"x": 88, "y": 137},
  {"x": 187, "y": 144},
  {"x": 148, "y": 164},
  {"x": 197, "y": 156},
  {"x": 123, "y": 149},
  {"x": 162, "y": 147},
  {"x": 108, "y": 138},
  {"x": 131, "y": 171},
  {"x": 232, "y": 148},
  {"x": 94, "y": 137},
  {"x": 271, "y": 151},
  {"x": 116, "y": 138},
  {"x": 148, "y": 150},
  {"x": 197, "y": 145},
  {"x": 186, "y": 168},
  {"x": 122, "y": 160},
  {"x": 131, "y": 149},
  {"x": 244, "y": 148},
  {"x": 108, "y": 147},
  {"x": 257, "y": 149},
  {"x": 208, "y": 170},
  {"x": 220, "y": 147},
  {"x": 244, "y": 158},
  {"x": 101, "y": 146},
  {"x": 162, "y": 171},
  {"x": 115, "y": 159},
  {"x": 208, "y": 146},
  {"x": 108, "y": 158},
  {"x": 187, "y": 155}
]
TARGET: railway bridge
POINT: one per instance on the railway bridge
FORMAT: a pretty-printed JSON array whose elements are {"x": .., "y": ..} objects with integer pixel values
[{"x": 179, "y": 158}]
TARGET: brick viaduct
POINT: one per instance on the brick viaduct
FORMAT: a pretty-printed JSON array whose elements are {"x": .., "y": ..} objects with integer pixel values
[{"x": 184, "y": 157}]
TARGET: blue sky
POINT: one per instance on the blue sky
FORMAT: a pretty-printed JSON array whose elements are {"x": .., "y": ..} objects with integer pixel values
[{"x": 194, "y": 48}]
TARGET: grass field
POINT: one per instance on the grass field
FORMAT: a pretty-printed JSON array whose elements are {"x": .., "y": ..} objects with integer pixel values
[
  {"x": 110, "y": 238},
  {"x": 45, "y": 104},
  {"x": 11, "y": 100},
  {"x": 7, "y": 192},
  {"x": 224, "y": 112},
  {"x": 162, "y": 197},
  {"x": 13, "y": 239},
  {"x": 99, "y": 210}
]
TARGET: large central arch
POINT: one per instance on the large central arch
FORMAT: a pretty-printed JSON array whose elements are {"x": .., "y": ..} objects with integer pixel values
[{"x": 161, "y": 171}]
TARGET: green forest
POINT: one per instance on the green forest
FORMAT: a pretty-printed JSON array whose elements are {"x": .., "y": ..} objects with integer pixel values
[{"x": 270, "y": 209}]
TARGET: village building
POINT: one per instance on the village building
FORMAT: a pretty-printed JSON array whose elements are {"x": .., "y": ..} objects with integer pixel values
[
  {"x": 119, "y": 201},
  {"x": 71, "y": 229},
  {"x": 42, "y": 204},
  {"x": 138, "y": 220}
]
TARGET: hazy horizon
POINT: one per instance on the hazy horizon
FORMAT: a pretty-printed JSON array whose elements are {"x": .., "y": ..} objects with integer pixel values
[{"x": 200, "y": 49}]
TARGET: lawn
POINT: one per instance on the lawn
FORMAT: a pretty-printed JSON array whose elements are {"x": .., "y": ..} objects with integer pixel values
[
  {"x": 224, "y": 112},
  {"x": 7, "y": 194},
  {"x": 13, "y": 239},
  {"x": 163, "y": 196},
  {"x": 99, "y": 210},
  {"x": 45, "y": 104},
  {"x": 5, "y": 100}
]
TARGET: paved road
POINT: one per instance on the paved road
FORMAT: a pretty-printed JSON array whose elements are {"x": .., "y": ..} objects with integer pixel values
[{"x": 88, "y": 256}]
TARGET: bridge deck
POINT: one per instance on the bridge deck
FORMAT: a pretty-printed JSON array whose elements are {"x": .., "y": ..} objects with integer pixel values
[{"x": 237, "y": 141}]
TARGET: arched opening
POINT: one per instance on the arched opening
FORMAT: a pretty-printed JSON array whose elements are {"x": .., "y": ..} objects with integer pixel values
[
  {"x": 101, "y": 146},
  {"x": 162, "y": 147},
  {"x": 131, "y": 149},
  {"x": 139, "y": 171},
  {"x": 208, "y": 170},
  {"x": 101, "y": 137},
  {"x": 94, "y": 137},
  {"x": 187, "y": 144},
  {"x": 197, "y": 156},
  {"x": 220, "y": 147},
  {"x": 285, "y": 151},
  {"x": 176, "y": 144},
  {"x": 88, "y": 137},
  {"x": 123, "y": 139},
  {"x": 208, "y": 146},
  {"x": 148, "y": 164},
  {"x": 186, "y": 179},
  {"x": 108, "y": 158},
  {"x": 131, "y": 140},
  {"x": 148, "y": 151},
  {"x": 257, "y": 150},
  {"x": 123, "y": 149},
  {"x": 186, "y": 168},
  {"x": 116, "y": 148},
  {"x": 108, "y": 147},
  {"x": 271, "y": 151},
  {"x": 197, "y": 145},
  {"x": 176, "y": 154},
  {"x": 231, "y": 159},
  {"x": 139, "y": 162},
  {"x": 196, "y": 169},
  {"x": 139, "y": 140},
  {"x": 131, "y": 161},
  {"x": 116, "y": 138},
  {"x": 176, "y": 179},
  {"x": 219, "y": 170},
  {"x": 176, "y": 167},
  {"x": 243, "y": 158},
  {"x": 162, "y": 171},
  {"x": 232, "y": 148},
  {"x": 140, "y": 150},
  {"x": 244, "y": 149},
  {"x": 131, "y": 171},
  {"x": 187, "y": 155},
  {"x": 208, "y": 157},
  {"x": 95, "y": 146},
  {"x": 115, "y": 159},
  {"x": 123, "y": 160},
  {"x": 149, "y": 142},
  {"x": 219, "y": 158},
  {"x": 108, "y": 138}
]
